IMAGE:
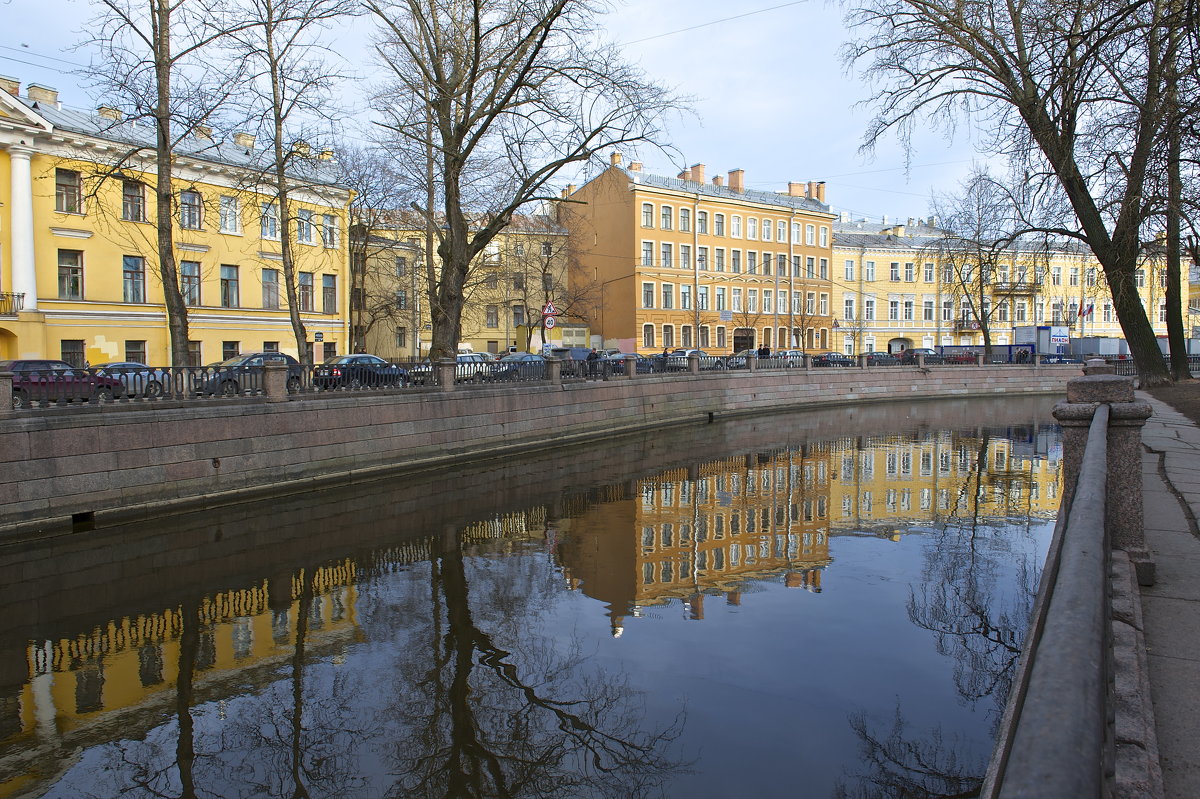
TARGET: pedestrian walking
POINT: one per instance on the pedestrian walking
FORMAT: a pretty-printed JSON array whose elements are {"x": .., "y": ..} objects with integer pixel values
[{"x": 593, "y": 361}]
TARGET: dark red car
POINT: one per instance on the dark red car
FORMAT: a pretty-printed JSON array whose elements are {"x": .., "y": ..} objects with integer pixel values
[{"x": 38, "y": 381}]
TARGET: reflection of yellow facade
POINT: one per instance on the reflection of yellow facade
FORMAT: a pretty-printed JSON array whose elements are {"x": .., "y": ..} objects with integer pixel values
[
  {"x": 711, "y": 530},
  {"x": 893, "y": 291},
  {"x": 79, "y": 276},
  {"x": 126, "y": 672}
]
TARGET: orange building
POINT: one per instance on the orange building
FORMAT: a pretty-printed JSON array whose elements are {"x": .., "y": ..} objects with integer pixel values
[{"x": 678, "y": 262}]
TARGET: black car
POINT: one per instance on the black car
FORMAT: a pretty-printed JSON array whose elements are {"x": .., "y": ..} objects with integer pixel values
[
  {"x": 832, "y": 359},
  {"x": 520, "y": 366},
  {"x": 931, "y": 356},
  {"x": 358, "y": 371},
  {"x": 245, "y": 372},
  {"x": 880, "y": 359}
]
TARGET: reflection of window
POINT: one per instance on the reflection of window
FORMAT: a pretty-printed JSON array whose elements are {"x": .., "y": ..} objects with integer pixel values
[
  {"x": 150, "y": 665},
  {"x": 89, "y": 687},
  {"x": 68, "y": 191}
]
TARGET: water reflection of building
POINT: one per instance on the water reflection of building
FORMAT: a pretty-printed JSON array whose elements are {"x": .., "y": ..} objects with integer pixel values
[
  {"x": 884, "y": 483},
  {"x": 713, "y": 529}
]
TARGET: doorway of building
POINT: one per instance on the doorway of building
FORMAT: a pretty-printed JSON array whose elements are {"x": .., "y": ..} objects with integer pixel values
[
  {"x": 899, "y": 345},
  {"x": 743, "y": 339}
]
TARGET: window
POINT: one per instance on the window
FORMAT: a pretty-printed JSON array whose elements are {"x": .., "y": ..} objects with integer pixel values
[
  {"x": 702, "y": 259},
  {"x": 768, "y": 300},
  {"x": 1139, "y": 278},
  {"x": 703, "y": 342},
  {"x": 735, "y": 264},
  {"x": 135, "y": 351},
  {"x": 1056, "y": 276},
  {"x": 270, "y": 221},
  {"x": 70, "y": 274},
  {"x": 304, "y": 226},
  {"x": 720, "y": 254},
  {"x": 493, "y": 316},
  {"x": 518, "y": 282},
  {"x": 824, "y": 236},
  {"x": 401, "y": 266},
  {"x": 781, "y": 231},
  {"x": 230, "y": 349},
  {"x": 685, "y": 219},
  {"x": 189, "y": 282},
  {"x": 766, "y": 230},
  {"x": 401, "y": 337},
  {"x": 1022, "y": 310},
  {"x": 685, "y": 256},
  {"x": 668, "y": 295},
  {"x": 766, "y": 263},
  {"x": 869, "y": 308},
  {"x": 721, "y": 338},
  {"x": 1074, "y": 276},
  {"x": 849, "y": 269},
  {"x": 402, "y": 300},
  {"x": 736, "y": 299},
  {"x": 909, "y": 276},
  {"x": 229, "y": 286},
  {"x": 824, "y": 309},
  {"x": 71, "y": 351},
  {"x": 133, "y": 201},
  {"x": 194, "y": 354},
  {"x": 810, "y": 303},
  {"x": 191, "y": 210},
  {"x": 668, "y": 336},
  {"x": 848, "y": 308},
  {"x": 230, "y": 214},
  {"x": 810, "y": 267},
  {"x": 718, "y": 224},
  {"x": 685, "y": 298},
  {"x": 685, "y": 336},
  {"x": 908, "y": 310},
  {"x": 518, "y": 313},
  {"x": 329, "y": 301},
  {"x": 947, "y": 310},
  {"x": 702, "y": 222},
  {"x": 68, "y": 191},
  {"x": 547, "y": 281},
  {"x": 647, "y": 253},
  {"x": 928, "y": 273},
  {"x": 331, "y": 232},
  {"x": 735, "y": 226},
  {"x": 797, "y": 300},
  {"x": 647, "y": 215},
  {"x": 133, "y": 278},
  {"x": 648, "y": 336},
  {"x": 927, "y": 311},
  {"x": 306, "y": 291},
  {"x": 547, "y": 249},
  {"x": 270, "y": 288},
  {"x": 647, "y": 295},
  {"x": 894, "y": 273},
  {"x": 752, "y": 228},
  {"x": 702, "y": 298},
  {"x": 721, "y": 306},
  {"x": 751, "y": 300},
  {"x": 1108, "y": 311},
  {"x": 810, "y": 235},
  {"x": 666, "y": 255},
  {"x": 329, "y": 350},
  {"x": 824, "y": 273},
  {"x": 665, "y": 217}
]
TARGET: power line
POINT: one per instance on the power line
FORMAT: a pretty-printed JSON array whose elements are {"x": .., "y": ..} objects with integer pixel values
[
  {"x": 26, "y": 49},
  {"x": 713, "y": 22}
]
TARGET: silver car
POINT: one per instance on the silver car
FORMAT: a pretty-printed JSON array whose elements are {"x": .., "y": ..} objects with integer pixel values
[{"x": 138, "y": 379}]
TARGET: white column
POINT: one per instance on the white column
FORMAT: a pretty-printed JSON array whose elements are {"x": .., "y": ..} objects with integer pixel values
[{"x": 24, "y": 276}]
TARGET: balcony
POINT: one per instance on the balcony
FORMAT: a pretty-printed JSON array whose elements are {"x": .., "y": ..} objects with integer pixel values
[
  {"x": 1016, "y": 287},
  {"x": 966, "y": 325},
  {"x": 11, "y": 305}
]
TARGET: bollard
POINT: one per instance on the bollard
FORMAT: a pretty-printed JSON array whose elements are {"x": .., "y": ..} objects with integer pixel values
[
  {"x": 631, "y": 366},
  {"x": 447, "y": 371},
  {"x": 554, "y": 371},
  {"x": 979, "y": 359},
  {"x": 693, "y": 363},
  {"x": 862, "y": 361},
  {"x": 1124, "y": 509},
  {"x": 807, "y": 362},
  {"x": 752, "y": 363},
  {"x": 920, "y": 360},
  {"x": 6, "y": 394},
  {"x": 1037, "y": 360},
  {"x": 275, "y": 377}
]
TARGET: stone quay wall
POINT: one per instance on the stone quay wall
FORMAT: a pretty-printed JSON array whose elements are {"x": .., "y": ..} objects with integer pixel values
[{"x": 64, "y": 468}]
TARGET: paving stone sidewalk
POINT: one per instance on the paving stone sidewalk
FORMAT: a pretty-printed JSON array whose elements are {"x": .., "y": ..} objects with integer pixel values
[{"x": 1171, "y": 607}]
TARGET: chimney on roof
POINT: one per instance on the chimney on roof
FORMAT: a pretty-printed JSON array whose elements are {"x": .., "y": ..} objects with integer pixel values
[
  {"x": 570, "y": 189},
  {"x": 897, "y": 231},
  {"x": 202, "y": 132},
  {"x": 885, "y": 219},
  {"x": 685, "y": 174},
  {"x": 615, "y": 158},
  {"x": 737, "y": 180},
  {"x": 718, "y": 180},
  {"x": 108, "y": 112},
  {"x": 38, "y": 93},
  {"x": 910, "y": 221},
  {"x": 795, "y": 189},
  {"x": 10, "y": 85},
  {"x": 932, "y": 221},
  {"x": 635, "y": 166},
  {"x": 325, "y": 155},
  {"x": 301, "y": 148},
  {"x": 820, "y": 191},
  {"x": 810, "y": 190},
  {"x": 844, "y": 217},
  {"x": 698, "y": 173},
  {"x": 244, "y": 140}
]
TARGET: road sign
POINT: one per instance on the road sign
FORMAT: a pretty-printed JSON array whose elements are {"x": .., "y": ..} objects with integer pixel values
[
  {"x": 550, "y": 322},
  {"x": 318, "y": 336},
  {"x": 1059, "y": 335},
  {"x": 550, "y": 310}
]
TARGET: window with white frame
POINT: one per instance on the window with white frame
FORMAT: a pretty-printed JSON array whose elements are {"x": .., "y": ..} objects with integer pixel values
[
  {"x": 848, "y": 274},
  {"x": 735, "y": 226},
  {"x": 928, "y": 273},
  {"x": 718, "y": 224},
  {"x": 720, "y": 259},
  {"x": 702, "y": 222},
  {"x": 270, "y": 221},
  {"x": 894, "y": 272},
  {"x": 685, "y": 256},
  {"x": 665, "y": 217},
  {"x": 647, "y": 215},
  {"x": 869, "y": 308},
  {"x": 648, "y": 336},
  {"x": 766, "y": 230},
  {"x": 230, "y": 214},
  {"x": 824, "y": 236},
  {"x": 736, "y": 300},
  {"x": 927, "y": 311},
  {"x": 666, "y": 254},
  {"x": 810, "y": 234},
  {"x": 685, "y": 297},
  {"x": 702, "y": 298},
  {"x": 847, "y": 307},
  {"x": 823, "y": 272},
  {"x": 304, "y": 226},
  {"x": 810, "y": 303},
  {"x": 869, "y": 270},
  {"x": 647, "y": 253},
  {"x": 735, "y": 261},
  {"x": 647, "y": 295},
  {"x": 824, "y": 308},
  {"x": 191, "y": 210},
  {"x": 751, "y": 300},
  {"x": 685, "y": 220},
  {"x": 668, "y": 336},
  {"x": 797, "y": 301},
  {"x": 810, "y": 267},
  {"x": 331, "y": 234},
  {"x": 720, "y": 296},
  {"x": 1022, "y": 310},
  {"x": 668, "y": 296},
  {"x": 751, "y": 228},
  {"x": 702, "y": 258},
  {"x": 781, "y": 231}
]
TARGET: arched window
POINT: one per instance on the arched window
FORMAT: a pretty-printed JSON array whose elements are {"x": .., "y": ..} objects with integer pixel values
[{"x": 648, "y": 336}]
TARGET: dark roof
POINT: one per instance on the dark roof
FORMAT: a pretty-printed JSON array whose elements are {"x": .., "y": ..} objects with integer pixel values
[{"x": 724, "y": 192}]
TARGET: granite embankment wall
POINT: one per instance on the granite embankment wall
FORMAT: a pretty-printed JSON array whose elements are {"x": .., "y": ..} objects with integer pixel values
[{"x": 57, "y": 466}]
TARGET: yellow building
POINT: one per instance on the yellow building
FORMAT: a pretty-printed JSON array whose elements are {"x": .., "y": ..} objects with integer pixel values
[
  {"x": 78, "y": 246},
  {"x": 521, "y": 271},
  {"x": 899, "y": 286},
  {"x": 678, "y": 262}
]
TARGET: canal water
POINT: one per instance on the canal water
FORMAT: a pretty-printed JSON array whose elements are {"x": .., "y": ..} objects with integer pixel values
[{"x": 813, "y": 604}]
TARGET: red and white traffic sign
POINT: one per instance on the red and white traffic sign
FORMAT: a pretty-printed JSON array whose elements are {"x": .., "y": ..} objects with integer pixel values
[
  {"x": 550, "y": 310},
  {"x": 550, "y": 322}
]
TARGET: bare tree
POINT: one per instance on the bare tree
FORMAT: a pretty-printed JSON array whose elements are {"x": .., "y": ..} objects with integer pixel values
[
  {"x": 153, "y": 63},
  {"x": 496, "y": 99},
  {"x": 1074, "y": 92},
  {"x": 290, "y": 96}
]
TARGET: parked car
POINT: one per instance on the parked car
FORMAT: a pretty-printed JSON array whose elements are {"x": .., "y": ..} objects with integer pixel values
[
  {"x": 521, "y": 366},
  {"x": 615, "y": 362},
  {"x": 241, "y": 372},
  {"x": 37, "y": 380},
  {"x": 931, "y": 356},
  {"x": 957, "y": 357},
  {"x": 137, "y": 379},
  {"x": 357, "y": 371},
  {"x": 880, "y": 358},
  {"x": 472, "y": 367},
  {"x": 832, "y": 359},
  {"x": 790, "y": 358},
  {"x": 738, "y": 359},
  {"x": 572, "y": 357}
]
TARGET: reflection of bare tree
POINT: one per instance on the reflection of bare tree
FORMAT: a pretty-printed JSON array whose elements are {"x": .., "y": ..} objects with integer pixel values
[
  {"x": 962, "y": 602},
  {"x": 487, "y": 722}
]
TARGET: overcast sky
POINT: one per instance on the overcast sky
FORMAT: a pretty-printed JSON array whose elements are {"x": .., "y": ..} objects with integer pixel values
[{"x": 770, "y": 93}]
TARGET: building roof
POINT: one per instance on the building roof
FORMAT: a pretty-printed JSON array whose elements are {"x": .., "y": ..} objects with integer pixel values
[{"x": 726, "y": 193}]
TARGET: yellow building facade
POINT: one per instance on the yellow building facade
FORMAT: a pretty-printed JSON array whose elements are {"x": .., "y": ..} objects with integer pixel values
[
  {"x": 79, "y": 276},
  {"x": 678, "y": 262},
  {"x": 895, "y": 288}
]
